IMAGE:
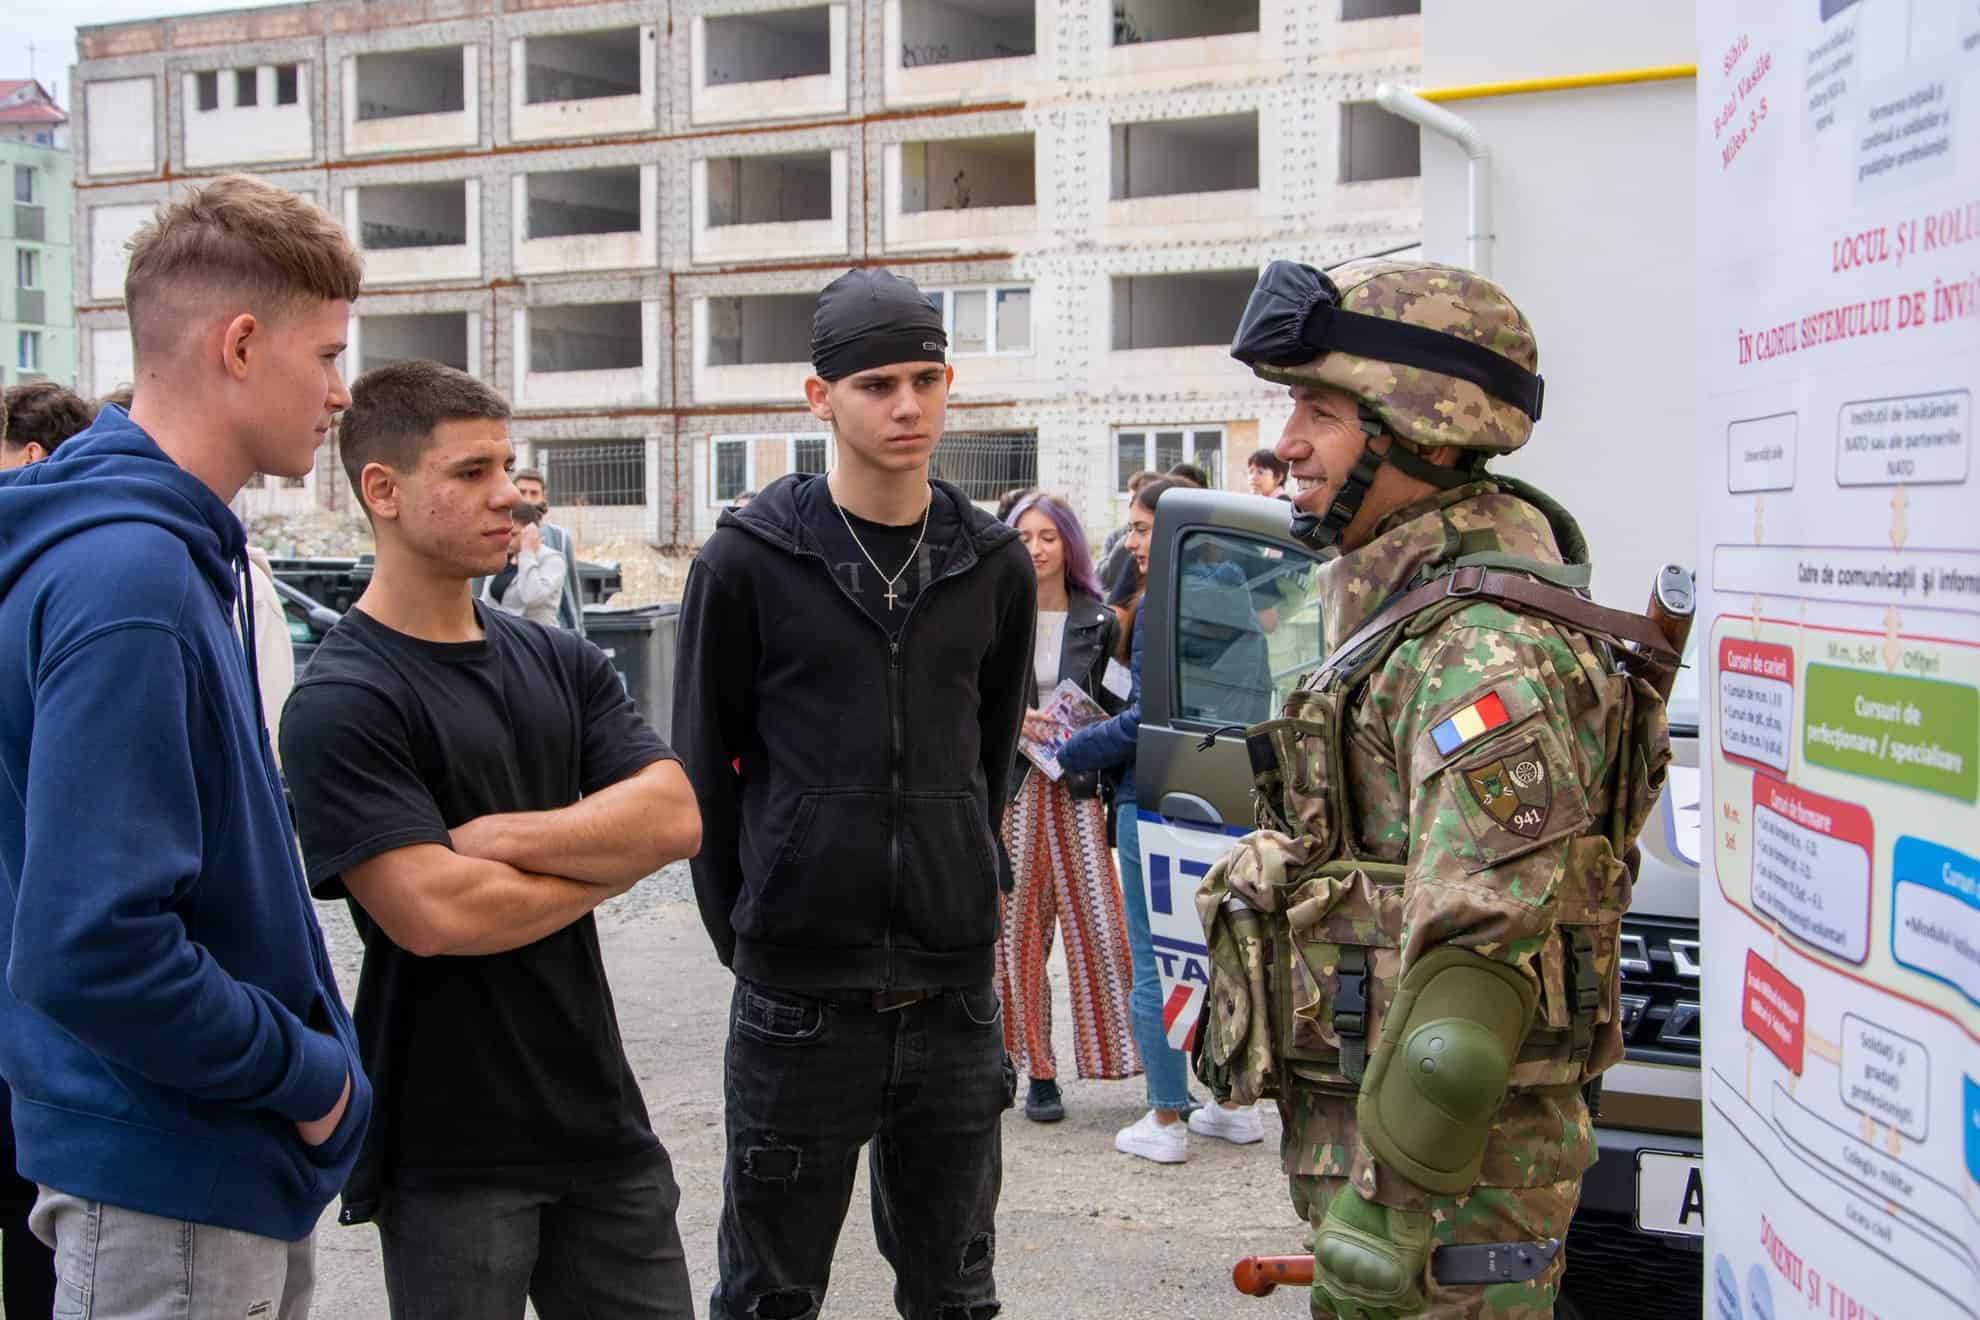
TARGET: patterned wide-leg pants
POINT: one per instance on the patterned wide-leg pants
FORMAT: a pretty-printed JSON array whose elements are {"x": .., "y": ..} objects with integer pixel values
[{"x": 1064, "y": 874}]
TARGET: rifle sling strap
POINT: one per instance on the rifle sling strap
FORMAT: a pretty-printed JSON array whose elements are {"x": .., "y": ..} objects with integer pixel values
[{"x": 1529, "y": 597}]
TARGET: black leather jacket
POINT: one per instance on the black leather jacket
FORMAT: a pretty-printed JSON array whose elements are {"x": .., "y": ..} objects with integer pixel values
[{"x": 1092, "y": 632}]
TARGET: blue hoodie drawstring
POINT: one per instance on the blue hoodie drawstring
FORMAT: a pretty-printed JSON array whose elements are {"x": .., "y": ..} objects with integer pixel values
[{"x": 244, "y": 603}]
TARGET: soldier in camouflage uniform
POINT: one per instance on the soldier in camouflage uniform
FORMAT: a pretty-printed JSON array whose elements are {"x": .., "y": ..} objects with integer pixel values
[{"x": 1416, "y": 954}]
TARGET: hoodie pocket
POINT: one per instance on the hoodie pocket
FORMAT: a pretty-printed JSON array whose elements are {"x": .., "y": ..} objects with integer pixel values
[
  {"x": 948, "y": 894},
  {"x": 828, "y": 886}
]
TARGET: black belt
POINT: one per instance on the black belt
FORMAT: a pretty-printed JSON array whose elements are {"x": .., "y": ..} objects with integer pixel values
[{"x": 878, "y": 1001}]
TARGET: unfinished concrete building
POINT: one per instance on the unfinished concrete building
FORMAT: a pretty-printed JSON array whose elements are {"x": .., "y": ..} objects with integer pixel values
[{"x": 621, "y": 217}]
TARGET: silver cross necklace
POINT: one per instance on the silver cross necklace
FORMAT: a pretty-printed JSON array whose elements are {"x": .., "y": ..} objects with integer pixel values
[{"x": 892, "y": 596}]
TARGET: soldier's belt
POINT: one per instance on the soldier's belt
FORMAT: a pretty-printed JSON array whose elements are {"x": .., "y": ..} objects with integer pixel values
[{"x": 1455, "y": 1265}]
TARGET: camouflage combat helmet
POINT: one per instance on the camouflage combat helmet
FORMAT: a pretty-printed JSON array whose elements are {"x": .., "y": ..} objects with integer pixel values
[{"x": 1421, "y": 404}]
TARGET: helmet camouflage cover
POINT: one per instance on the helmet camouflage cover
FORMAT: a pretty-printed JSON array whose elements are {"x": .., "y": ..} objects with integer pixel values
[{"x": 1425, "y": 406}]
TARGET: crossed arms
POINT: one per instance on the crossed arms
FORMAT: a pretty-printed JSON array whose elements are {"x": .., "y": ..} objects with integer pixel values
[{"x": 510, "y": 879}]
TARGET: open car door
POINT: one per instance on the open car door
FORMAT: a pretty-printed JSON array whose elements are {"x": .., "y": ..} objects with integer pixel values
[{"x": 1232, "y": 621}]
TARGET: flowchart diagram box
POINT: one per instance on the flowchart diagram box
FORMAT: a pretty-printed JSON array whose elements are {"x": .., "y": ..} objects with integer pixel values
[
  {"x": 1756, "y": 702},
  {"x": 1760, "y": 453},
  {"x": 1885, "y": 1075},
  {"x": 1917, "y": 439},
  {"x": 1935, "y": 908},
  {"x": 1811, "y": 866}
]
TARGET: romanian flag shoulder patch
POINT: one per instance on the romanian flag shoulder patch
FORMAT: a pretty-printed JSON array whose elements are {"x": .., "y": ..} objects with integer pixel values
[{"x": 1474, "y": 721}]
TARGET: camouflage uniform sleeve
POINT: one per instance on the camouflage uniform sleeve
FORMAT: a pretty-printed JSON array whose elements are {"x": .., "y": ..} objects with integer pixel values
[{"x": 1495, "y": 773}]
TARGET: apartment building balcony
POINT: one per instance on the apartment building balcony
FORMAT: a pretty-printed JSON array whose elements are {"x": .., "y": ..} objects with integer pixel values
[
  {"x": 774, "y": 64},
  {"x": 752, "y": 347},
  {"x": 769, "y": 208},
  {"x": 582, "y": 84},
  {"x": 949, "y": 51},
  {"x": 412, "y": 100},
  {"x": 588, "y": 355},
  {"x": 960, "y": 192},
  {"x": 1173, "y": 331},
  {"x": 572, "y": 220},
  {"x": 248, "y": 114},
  {"x": 1185, "y": 172},
  {"x": 417, "y": 232},
  {"x": 452, "y": 338},
  {"x": 1156, "y": 36}
]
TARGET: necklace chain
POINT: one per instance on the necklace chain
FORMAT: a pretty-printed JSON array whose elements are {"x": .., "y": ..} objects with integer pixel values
[{"x": 892, "y": 596}]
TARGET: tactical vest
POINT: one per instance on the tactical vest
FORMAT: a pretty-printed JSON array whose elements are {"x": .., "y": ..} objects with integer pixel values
[{"x": 1303, "y": 977}]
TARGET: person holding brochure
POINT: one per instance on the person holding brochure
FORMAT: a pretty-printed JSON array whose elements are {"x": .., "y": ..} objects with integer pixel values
[
  {"x": 1160, "y": 1134},
  {"x": 1055, "y": 829}
]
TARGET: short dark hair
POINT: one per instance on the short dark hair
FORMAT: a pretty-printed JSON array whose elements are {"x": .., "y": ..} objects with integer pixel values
[
  {"x": 1267, "y": 461},
  {"x": 1140, "y": 479},
  {"x": 529, "y": 474},
  {"x": 44, "y": 413},
  {"x": 523, "y": 513},
  {"x": 121, "y": 396},
  {"x": 396, "y": 408},
  {"x": 1192, "y": 473}
]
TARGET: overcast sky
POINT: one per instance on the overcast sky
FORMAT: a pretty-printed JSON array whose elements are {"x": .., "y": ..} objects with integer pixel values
[{"x": 52, "y": 31}]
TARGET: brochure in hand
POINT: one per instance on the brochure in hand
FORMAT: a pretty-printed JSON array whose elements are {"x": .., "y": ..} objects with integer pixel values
[{"x": 1070, "y": 710}]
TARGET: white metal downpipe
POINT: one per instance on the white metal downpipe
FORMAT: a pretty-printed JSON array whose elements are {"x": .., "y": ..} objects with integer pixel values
[{"x": 1478, "y": 161}]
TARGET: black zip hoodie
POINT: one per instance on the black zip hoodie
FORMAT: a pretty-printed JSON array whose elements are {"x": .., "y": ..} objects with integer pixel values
[{"x": 851, "y": 785}]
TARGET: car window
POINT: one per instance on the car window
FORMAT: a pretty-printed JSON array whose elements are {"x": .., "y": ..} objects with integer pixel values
[{"x": 1247, "y": 626}]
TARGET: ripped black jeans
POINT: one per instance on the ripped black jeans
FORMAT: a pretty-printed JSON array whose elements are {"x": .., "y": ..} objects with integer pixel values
[{"x": 808, "y": 1082}]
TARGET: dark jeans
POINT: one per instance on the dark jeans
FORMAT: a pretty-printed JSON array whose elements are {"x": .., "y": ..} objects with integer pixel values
[
  {"x": 27, "y": 1264},
  {"x": 808, "y": 1082},
  {"x": 601, "y": 1248}
]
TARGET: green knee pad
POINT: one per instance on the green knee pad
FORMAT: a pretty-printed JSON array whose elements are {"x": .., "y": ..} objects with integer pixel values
[{"x": 1448, "y": 1045}]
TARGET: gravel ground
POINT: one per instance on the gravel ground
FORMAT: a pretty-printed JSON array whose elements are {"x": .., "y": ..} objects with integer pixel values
[{"x": 1082, "y": 1231}]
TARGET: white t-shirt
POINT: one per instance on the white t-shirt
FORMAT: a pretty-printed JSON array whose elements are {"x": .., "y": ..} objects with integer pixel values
[{"x": 1045, "y": 651}]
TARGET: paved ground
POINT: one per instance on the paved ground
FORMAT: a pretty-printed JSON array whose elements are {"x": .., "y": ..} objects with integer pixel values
[{"x": 1082, "y": 1231}]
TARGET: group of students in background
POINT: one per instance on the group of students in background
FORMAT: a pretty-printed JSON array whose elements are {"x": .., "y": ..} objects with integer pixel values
[{"x": 1057, "y": 833}]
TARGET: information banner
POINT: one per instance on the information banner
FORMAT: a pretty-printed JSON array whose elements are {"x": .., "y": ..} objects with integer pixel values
[{"x": 1839, "y": 646}]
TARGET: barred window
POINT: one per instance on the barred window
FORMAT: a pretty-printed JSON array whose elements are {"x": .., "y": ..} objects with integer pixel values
[
  {"x": 285, "y": 84},
  {"x": 987, "y": 463},
  {"x": 731, "y": 460},
  {"x": 810, "y": 454},
  {"x": 608, "y": 473},
  {"x": 1159, "y": 450}
]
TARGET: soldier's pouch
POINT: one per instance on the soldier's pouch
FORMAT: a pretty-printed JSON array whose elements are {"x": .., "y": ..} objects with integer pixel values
[
  {"x": 1648, "y": 748},
  {"x": 1338, "y": 968},
  {"x": 1291, "y": 760}
]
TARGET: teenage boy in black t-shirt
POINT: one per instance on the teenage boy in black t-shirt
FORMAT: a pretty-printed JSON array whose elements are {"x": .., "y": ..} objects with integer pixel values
[
  {"x": 476, "y": 784},
  {"x": 855, "y": 651}
]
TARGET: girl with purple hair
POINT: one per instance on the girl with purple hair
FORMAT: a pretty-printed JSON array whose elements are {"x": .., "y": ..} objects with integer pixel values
[{"x": 1056, "y": 836}]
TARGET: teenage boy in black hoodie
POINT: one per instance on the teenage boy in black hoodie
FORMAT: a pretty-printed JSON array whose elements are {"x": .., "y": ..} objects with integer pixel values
[{"x": 854, "y": 654}]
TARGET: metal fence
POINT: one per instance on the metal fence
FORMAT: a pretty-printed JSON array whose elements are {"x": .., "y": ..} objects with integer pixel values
[
  {"x": 987, "y": 463},
  {"x": 595, "y": 472}
]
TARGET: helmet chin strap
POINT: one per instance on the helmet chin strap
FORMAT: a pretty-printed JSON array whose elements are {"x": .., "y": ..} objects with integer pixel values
[{"x": 1324, "y": 532}]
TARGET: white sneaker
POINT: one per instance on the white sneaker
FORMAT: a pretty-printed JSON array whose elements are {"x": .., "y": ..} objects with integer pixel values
[
  {"x": 1162, "y": 1143},
  {"x": 1240, "y": 1126}
]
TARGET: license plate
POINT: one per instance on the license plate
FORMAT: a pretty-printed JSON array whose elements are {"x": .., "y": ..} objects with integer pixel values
[{"x": 1670, "y": 1193}]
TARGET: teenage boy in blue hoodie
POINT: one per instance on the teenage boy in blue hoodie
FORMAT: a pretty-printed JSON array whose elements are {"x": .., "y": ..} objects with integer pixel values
[{"x": 187, "y": 1092}]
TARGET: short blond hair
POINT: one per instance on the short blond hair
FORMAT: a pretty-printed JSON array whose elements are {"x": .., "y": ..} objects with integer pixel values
[{"x": 236, "y": 237}]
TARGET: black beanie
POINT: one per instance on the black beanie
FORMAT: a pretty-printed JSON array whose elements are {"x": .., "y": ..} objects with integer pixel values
[{"x": 872, "y": 318}]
